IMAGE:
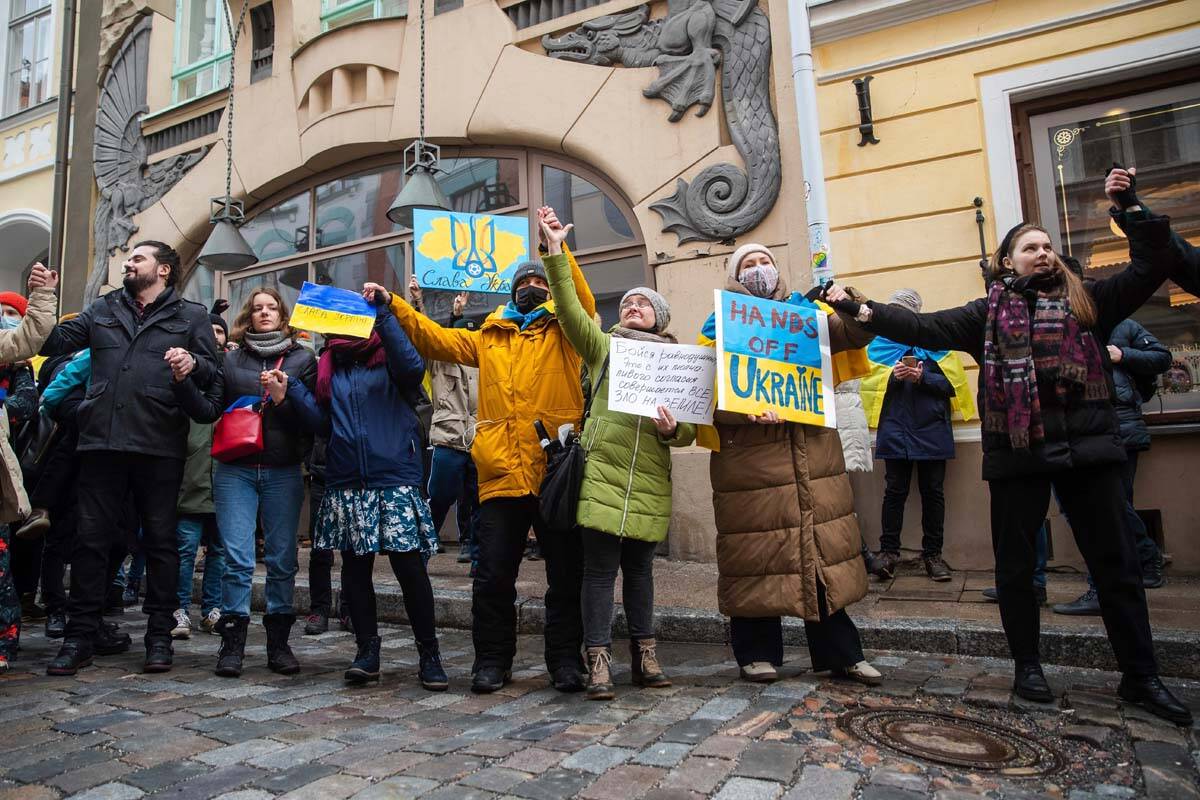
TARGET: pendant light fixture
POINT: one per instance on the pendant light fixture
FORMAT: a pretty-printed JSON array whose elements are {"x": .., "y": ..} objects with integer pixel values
[
  {"x": 226, "y": 248},
  {"x": 421, "y": 163}
]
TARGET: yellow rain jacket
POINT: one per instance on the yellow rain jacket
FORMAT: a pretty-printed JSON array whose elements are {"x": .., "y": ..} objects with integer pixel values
[{"x": 523, "y": 375}]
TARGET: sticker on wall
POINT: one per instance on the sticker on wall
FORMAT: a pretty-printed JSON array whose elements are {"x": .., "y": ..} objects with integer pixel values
[{"x": 460, "y": 252}]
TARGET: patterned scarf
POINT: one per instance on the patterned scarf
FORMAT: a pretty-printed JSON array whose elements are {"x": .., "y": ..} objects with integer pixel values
[
  {"x": 340, "y": 352},
  {"x": 1018, "y": 350}
]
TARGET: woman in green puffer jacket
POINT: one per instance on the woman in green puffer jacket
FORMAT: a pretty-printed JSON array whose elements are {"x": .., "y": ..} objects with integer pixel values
[{"x": 625, "y": 499}]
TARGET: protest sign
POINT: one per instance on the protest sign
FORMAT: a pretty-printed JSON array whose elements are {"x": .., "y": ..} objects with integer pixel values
[
  {"x": 645, "y": 375},
  {"x": 774, "y": 357},
  {"x": 460, "y": 252},
  {"x": 330, "y": 310}
]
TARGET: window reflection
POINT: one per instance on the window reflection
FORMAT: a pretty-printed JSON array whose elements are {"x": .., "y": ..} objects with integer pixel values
[
  {"x": 478, "y": 185},
  {"x": 610, "y": 280},
  {"x": 355, "y": 207},
  {"x": 383, "y": 265},
  {"x": 285, "y": 281},
  {"x": 281, "y": 230},
  {"x": 598, "y": 220}
]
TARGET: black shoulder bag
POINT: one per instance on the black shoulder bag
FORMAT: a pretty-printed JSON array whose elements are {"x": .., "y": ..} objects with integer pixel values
[{"x": 558, "y": 497}]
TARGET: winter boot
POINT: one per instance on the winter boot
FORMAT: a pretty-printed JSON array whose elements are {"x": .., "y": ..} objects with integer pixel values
[
  {"x": 366, "y": 662},
  {"x": 433, "y": 677},
  {"x": 599, "y": 660},
  {"x": 279, "y": 656},
  {"x": 233, "y": 645},
  {"x": 646, "y": 669}
]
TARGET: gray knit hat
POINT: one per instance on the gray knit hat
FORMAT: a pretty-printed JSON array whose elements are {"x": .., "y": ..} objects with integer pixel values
[
  {"x": 530, "y": 269},
  {"x": 662, "y": 310},
  {"x": 908, "y": 298}
]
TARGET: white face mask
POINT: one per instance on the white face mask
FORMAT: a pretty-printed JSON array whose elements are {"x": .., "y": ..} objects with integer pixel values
[
  {"x": 9, "y": 323},
  {"x": 760, "y": 280}
]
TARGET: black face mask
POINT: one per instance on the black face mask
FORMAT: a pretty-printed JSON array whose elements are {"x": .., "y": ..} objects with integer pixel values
[{"x": 530, "y": 297}]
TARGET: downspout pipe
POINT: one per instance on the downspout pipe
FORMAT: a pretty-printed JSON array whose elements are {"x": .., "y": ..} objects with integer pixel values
[
  {"x": 66, "y": 83},
  {"x": 805, "y": 88}
]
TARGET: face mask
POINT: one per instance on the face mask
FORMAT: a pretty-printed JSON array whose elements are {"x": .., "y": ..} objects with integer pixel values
[
  {"x": 9, "y": 323},
  {"x": 530, "y": 297},
  {"x": 760, "y": 280}
]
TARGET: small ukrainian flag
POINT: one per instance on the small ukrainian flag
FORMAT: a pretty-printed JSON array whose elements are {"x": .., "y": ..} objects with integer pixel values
[{"x": 329, "y": 310}]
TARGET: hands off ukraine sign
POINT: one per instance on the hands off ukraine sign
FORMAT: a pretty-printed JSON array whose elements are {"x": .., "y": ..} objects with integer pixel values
[
  {"x": 460, "y": 252},
  {"x": 774, "y": 357}
]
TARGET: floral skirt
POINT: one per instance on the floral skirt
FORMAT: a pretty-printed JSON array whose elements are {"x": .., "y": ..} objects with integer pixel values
[
  {"x": 362, "y": 521},
  {"x": 10, "y": 603}
]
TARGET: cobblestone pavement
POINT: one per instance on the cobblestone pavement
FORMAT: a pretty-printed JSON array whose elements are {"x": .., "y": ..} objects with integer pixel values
[{"x": 116, "y": 733}]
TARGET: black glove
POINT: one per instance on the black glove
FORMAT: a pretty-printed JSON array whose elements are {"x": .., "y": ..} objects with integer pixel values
[
  {"x": 845, "y": 306},
  {"x": 220, "y": 306},
  {"x": 1127, "y": 198}
]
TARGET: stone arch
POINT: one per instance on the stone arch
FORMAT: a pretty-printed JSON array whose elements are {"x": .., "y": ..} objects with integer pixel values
[{"x": 25, "y": 236}]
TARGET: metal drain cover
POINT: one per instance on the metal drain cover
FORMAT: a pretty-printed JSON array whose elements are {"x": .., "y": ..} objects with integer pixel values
[{"x": 953, "y": 740}]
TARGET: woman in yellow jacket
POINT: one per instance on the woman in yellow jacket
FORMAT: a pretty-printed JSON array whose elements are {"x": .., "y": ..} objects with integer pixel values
[{"x": 527, "y": 370}]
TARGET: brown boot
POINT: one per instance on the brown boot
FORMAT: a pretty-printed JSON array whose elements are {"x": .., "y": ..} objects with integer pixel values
[
  {"x": 599, "y": 687},
  {"x": 646, "y": 669}
]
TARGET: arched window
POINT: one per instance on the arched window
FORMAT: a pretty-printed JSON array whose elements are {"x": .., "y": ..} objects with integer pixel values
[{"x": 335, "y": 231}]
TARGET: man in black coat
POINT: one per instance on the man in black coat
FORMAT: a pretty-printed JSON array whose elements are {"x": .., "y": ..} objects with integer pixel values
[{"x": 153, "y": 362}]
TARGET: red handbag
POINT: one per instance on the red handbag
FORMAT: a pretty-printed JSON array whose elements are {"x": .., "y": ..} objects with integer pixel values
[{"x": 239, "y": 431}]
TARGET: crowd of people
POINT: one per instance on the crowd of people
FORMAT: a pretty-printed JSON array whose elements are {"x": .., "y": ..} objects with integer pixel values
[{"x": 127, "y": 454}]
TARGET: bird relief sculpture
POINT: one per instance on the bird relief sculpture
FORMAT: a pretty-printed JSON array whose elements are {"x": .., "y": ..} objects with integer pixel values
[{"x": 690, "y": 46}]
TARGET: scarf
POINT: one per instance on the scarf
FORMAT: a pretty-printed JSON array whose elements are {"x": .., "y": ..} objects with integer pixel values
[
  {"x": 1017, "y": 350},
  {"x": 643, "y": 336},
  {"x": 523, "y": 321},
  {"x": 343, "y": 352},
  {"x": 268, "y": 345}
]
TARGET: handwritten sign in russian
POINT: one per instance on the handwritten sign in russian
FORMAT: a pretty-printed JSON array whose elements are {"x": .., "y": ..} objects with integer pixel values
[
  {"x": 774, "y": 357},
  {"x": 334, "y": 311},
  {"x": 461, "y": 252},
  {"x": 645, "y": 375}
]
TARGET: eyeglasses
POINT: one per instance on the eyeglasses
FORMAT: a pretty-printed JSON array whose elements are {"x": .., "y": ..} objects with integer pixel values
[{"x": 631, "y": 303}]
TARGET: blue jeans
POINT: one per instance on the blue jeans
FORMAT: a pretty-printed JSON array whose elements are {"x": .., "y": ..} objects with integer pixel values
[
  {"x": 452, "y": 479},
  {"x": 191, "y": 531},
  {"x": 243, "y": 496}
]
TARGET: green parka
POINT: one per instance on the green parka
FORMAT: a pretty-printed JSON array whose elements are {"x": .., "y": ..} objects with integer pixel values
[
  {"x": 196, "y": 493},
  {"x": 626, "y": 487}
]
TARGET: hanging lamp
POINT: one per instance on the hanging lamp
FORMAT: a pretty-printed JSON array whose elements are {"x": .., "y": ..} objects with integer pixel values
[
  {"x": 226, "y": 248},
  {"x": 421, "y": 164}
]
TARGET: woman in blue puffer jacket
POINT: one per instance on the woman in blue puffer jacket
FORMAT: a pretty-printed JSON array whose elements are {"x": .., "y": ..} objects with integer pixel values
[{"x": 373, "y": 471}]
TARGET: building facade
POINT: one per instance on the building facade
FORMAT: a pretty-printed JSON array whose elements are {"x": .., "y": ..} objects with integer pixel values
[{"x": 668, "y": 133}]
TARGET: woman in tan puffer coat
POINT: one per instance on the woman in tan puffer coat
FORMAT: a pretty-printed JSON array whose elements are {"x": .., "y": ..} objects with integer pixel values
[{"x": 788, "y": 542}]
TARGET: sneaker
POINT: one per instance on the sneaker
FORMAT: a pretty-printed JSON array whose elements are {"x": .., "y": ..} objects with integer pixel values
[
  {"x": 1152, "y": 574},
  {"x": 132, "y": 590},
  {"x": 464, "y": 553},
  {"x": 1086, "y": 605},
  {"x": 936, "y": 568},
  {"x": 316, "y": 623},
  {"x": 760, "y": 672},
  {"x": 864, "y": 673},
  {"x": 208, "y": 623},
  {"x": 4, "y": 665},
  {"x": 56, "y": 625},
  {"x": 183, "y": 625},
  {"x": 35, "y": 525}
]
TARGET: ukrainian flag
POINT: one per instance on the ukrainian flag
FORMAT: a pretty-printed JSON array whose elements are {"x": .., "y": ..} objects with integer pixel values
[
  {"x": 329, "y": 310},
  {"x": 883, "y": 355}
]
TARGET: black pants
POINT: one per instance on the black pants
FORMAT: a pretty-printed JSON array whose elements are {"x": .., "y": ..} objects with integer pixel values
[
  {"x": 409, "y": 569},
  {"x": 26, "y": 563},
  {"x": 56, "y": 554},
  {"x": 106, "y": 480},
  {"x": 1094, "y": 500},
  {"x": 503, "y": 525},
  {"x": 833, "y": 643},
  {"x": 603, "y": 554},
  {"x": 931, "y": 477}
]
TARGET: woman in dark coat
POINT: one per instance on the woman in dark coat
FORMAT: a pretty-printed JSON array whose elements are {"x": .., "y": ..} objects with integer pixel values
[{"x": 1048, "y": 421}]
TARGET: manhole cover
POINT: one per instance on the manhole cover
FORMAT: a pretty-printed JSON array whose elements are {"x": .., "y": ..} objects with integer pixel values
[{"x": 953, "y": 740}]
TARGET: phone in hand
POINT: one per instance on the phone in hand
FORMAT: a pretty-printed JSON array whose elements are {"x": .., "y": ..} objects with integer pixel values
[{"x": 910, "y": 361}]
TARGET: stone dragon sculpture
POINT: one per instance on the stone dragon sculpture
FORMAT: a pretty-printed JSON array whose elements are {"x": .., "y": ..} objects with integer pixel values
[{"x": 689, "y": 46}]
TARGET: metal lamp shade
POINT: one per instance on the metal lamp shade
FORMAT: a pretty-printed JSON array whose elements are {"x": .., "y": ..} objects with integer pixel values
[
  {"x": 421, "y": 190},
  {"x": 226, "y": 248}
]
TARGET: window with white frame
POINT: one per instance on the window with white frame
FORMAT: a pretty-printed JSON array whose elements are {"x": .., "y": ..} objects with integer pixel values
[
  {"x": 336, "y": 13},
  {"x": 202, "y": 53},
  {"x": 30, "y": 44}
]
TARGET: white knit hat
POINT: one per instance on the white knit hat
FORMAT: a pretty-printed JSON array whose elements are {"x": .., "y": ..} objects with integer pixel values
[
  {"x": 735, "y": 258},
  {"x": 908, "y": 298},
  {"x": 662, "y": 311}
]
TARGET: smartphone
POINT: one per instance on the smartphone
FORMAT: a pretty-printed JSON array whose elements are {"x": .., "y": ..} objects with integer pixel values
[{"x": 909, "y": 361}]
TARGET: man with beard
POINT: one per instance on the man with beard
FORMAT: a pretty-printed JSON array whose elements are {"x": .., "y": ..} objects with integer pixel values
[{"x": 153, "y": 360}]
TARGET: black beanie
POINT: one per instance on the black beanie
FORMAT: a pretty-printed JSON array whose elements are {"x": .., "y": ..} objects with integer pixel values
[
  {"x": 217, "y": 319},
  {"x": 526, "y": 270}
]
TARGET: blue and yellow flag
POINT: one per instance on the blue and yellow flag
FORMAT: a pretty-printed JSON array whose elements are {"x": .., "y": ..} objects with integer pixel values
[
  {"x": 329, "y": 310},
  {"x": 883, "y": 355}
]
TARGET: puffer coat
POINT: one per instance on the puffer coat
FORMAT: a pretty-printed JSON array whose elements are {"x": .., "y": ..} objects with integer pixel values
[
  {"x": 18, "y": 345},
  {"x": 852, "y": 427},
  {"x": 784, "y": 508},
  {"x": 1142, "y": 358},
  {"x": 626, "y": 488}
]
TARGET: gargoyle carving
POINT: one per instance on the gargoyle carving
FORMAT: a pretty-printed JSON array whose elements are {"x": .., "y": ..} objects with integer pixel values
[
  {"x": 127, "y": 184},
  {"x": 695, "y": 41}
]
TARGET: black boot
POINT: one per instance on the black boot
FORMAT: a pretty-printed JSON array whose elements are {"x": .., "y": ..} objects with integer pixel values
[
  {"x": 1152, "y": 574},
  {"x": 232, "y": 628},
  {"x": 110, "y": 640},
  {"x": 56, "y": 624},
  {"x": 159, "y": 655},
  {"x": 433, "y": 677},
  {"x": 280, "y": 657},
  {"x": 1031, "y": 684},
  {"x": 365, "y": 666},
  {"x": 73, "y": 655},
  {"x": 1152, "y": 695}
]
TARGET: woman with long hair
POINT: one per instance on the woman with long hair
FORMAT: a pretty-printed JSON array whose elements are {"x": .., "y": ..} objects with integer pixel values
[
  {"x": 266, "y": 486},
  {"x": 1045, "y": 390}
]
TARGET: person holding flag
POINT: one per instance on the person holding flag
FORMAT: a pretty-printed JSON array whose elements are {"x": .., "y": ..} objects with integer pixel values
[
  {"x": 788, "y": 542},
  {"x": 909, "y": 397}
]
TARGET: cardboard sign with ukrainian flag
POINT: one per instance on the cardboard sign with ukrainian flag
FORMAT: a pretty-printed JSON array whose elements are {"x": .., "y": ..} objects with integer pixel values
[
  {"x": 460, "y": 252},
  {"x": 774, "y": 357},
  {"x": 330, "y": 310}
]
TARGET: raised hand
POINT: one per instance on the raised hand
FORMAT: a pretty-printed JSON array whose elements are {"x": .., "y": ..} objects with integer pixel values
[
  {"x": 546, "y": 214},
  {"x": 42, "y": 278},
  {"x": 376, "y": 295},
  {"x": 181, "y": 362},
  {"x": 274, "y": 383},
  {"x": 415, "y": 295},
  {"x": 1120, "y": 186},
  {"x": 459, "y": 305},
  {"x": 554, "y": 237},
  {"x": 665, "y": 422}
]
